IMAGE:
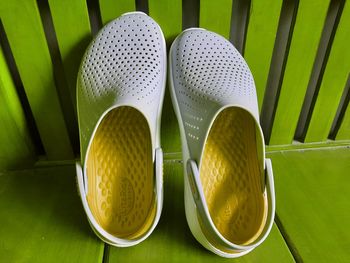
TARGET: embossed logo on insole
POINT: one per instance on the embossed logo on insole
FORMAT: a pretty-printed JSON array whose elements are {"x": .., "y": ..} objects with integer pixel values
[
  {"x": 126, "y": 197},
  {"x": 230, "y": 206}
]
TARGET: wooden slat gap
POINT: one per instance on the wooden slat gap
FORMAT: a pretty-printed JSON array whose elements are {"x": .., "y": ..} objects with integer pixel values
[
  {"x": 142, "y": 5},
  {"x": 239, "y": 23},
  {"x": 105, "y": 258},
  {"x": 292, "y": 248},
  {"x": 94, "y": 16},
  {"x": 190, "y": 13}
]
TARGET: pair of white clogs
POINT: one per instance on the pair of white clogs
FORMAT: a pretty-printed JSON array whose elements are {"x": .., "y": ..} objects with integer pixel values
[{"x": 229, "y": 191}]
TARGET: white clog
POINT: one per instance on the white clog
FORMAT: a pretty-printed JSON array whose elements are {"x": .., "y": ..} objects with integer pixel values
[
  {"x": 120, "y": 92},
  {"x": 229, "y": 189}
]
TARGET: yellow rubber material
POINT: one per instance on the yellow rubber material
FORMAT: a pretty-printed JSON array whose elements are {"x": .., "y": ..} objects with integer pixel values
[
  {"x": 120, "y": 174},
  {"x": 231, "y": 177}
]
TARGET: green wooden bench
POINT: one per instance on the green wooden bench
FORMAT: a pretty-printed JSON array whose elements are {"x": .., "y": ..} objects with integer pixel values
[{"x": 299, "y": 54}]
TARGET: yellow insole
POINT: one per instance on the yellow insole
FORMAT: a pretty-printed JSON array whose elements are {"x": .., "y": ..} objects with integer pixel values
[
  {"x": 231, "y": 177},
  {"x": 120, "y": 174}
]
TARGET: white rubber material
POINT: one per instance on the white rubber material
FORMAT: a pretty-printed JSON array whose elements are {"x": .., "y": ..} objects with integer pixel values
[
  {"x": 199, "y": 199},
  {"x": 125, "y": 65},
  {"x": 206, "y": 75}
]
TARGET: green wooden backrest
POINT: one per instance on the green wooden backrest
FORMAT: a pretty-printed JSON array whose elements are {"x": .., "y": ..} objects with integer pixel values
[{"x": 297, "y": 50}]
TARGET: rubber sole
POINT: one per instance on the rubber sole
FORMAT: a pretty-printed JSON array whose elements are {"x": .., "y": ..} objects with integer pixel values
[
  {"x": 231, "y": 177},
  {"x": 120, "y": 174}
]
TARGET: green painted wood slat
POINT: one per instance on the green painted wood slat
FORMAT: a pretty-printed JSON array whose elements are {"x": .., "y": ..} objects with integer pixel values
[
  {"x": 73, "y": 33},
  {"x": 72, "y": 28},
  {"x": 333, "y": 83},
  {"x": 312, "y": 200},
  {"x": 170, "y": 133},
  {"x": 111, "y": 9},
  {"x": 260, "y": 41},
  {"x": 16, "y": 147},
  {"x": 25, "y": 33},
  {"x": 42, "y": 219},
  {"x": 307, "y": 32},
  {"x": 172, "y": 240},
  {"x": 216, "y": 16},
  {"x": 161, "y": 11}
]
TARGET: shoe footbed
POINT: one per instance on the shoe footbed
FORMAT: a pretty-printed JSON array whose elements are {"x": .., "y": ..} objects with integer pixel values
[
  {"x": 231, "y": 177},
  {"x": 120, "y": 174}
]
